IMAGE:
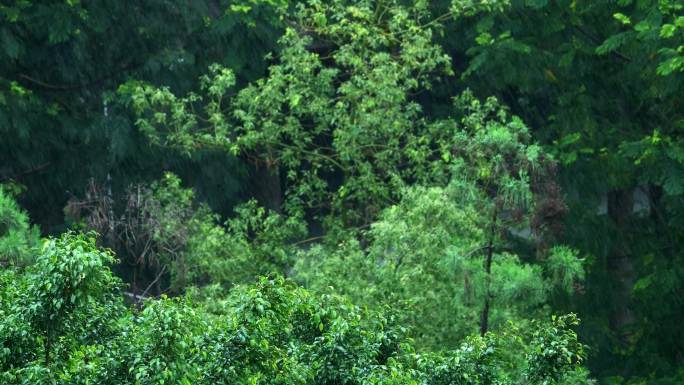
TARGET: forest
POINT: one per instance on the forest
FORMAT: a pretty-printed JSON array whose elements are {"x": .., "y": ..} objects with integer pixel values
[{"x": 342, "y": 192}]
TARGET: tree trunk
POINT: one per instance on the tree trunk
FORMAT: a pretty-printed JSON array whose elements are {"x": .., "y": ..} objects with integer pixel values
[
  {"x": 620, "y": 264},
  {"x": 269, "y": 191},
  {"x": 48, "y": 345},
  {"x": 157, "y": 280},
  {"x": 134, "y": 283},
  {"x": 484, "y": 317}
]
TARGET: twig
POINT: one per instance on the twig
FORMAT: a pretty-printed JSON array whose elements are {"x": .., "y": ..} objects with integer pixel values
[{"x": 161, "y": 272}]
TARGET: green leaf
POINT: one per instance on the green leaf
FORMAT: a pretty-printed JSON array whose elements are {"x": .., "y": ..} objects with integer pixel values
[
  {"x": 667, "y": 30},
  {"x": 622, "y": 18},
  {"x": 612, "y": 43}
]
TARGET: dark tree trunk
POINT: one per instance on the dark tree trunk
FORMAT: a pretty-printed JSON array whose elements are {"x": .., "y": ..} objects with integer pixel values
[
  {"x": 484, "y": 317},
  {"x": 157, "y": 280},
  {"x": 134, "y": 283},
  {"x": 48, "y": 345},
  {"x": 620, "y": 264},
  {"x": 269, "y": 191}
]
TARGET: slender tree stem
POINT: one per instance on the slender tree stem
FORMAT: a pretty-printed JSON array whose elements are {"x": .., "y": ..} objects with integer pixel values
[
  {"x": 48, "y": 346},
  {"x": 484, "y": 318}
]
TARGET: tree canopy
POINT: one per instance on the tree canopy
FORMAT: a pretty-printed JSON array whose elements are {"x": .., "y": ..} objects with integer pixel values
[{"x": 341, "y": 192}]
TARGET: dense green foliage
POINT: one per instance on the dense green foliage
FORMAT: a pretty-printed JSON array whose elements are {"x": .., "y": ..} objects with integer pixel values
[
  {"x": 600, "y": 84},
  {"x": 17, "y": 237},
  {"x": 363, "y": 126},
  {"x": 62, "y": 61},
  {"x": 436, "y": 181},
  {"x": 64, "y": 323}
]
